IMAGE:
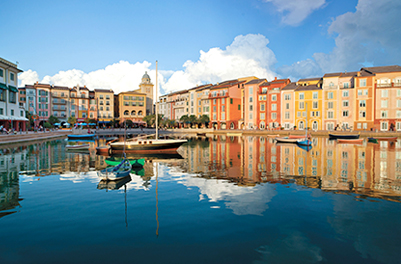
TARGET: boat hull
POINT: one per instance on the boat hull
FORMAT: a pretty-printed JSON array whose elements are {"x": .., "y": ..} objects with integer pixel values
[
  {"x": 134, "y": 162},
  {"x": 305, "y": 142},
  {"x": 77, "y": 147},
  {"x": 104, "y": 150},
  {"x": 334, "y": 136},
  {"x": 81, "y": 137},
  {"x": 386, "y": 138},
  {"x": 288, "y": 140},
  {"x": 143, "y": 146},
  {"x": 350, "y": 141}
]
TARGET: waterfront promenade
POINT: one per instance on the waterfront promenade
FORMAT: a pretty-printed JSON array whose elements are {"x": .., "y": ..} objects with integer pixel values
[{"x": 30, "y": 136}]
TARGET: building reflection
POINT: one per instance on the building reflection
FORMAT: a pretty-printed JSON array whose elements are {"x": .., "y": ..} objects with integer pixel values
[{"x": 368, "y": 169}]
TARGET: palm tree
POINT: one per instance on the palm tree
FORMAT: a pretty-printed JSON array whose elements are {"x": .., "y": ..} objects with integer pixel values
[{"x": 204, "y": 119}]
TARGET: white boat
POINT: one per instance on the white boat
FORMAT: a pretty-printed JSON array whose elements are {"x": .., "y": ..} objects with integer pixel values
[
  {"x": 116, "y": 173},
  {"x": 77, "y": 147},
  {"x": 288, "y": 140},
  {"x": 145, "y": 144}
]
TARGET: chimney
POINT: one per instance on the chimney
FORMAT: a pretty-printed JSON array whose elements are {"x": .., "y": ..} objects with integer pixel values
[
  {"x": 358, "y": 74},
  {"x": 275, "y": 78}
]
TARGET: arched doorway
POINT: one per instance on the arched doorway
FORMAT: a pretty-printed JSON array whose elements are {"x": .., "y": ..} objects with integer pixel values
[
  {"x": 315, "y": 125},
  {"x": 301, "y": 125}
]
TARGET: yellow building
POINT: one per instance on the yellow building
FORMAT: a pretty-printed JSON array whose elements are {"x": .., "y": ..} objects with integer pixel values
[
  {"x": 308, "y": 104},
  {"x": 132, "y": 106},
  {"x": 331, "y": 96},
  {"x": 105, "y": 105}
]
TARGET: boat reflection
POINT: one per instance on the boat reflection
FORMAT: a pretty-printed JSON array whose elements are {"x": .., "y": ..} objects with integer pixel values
[{"x": 113, "y": 185}]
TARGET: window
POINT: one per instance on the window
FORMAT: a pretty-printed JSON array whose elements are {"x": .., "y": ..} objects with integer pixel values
[
  {"x": 287, "y": 106},
  {"x": 362, "y": 82},
  {"x": 288, "y": 96},
  {"x": 11, "y": 76},
  {"x": 262, "y": 116},
  {"x": 384, "y": 126},
  {"x": 345, "y": 93},
  {"x": 345, "y": 103},
  {"x": 346, "y": 85},
  {"x": 384, "y": 93},
  {"x": 301, "y": 96},
  {"x": 287, "y": 115},
  {"x": 315, "y": 95},
  {"x": 315, "y": 105},
  {"x": 250, "y": 99},
  {"x": 398, "y": 114},
  {"x": 330, "y": 105},
  {"x": 262, "y": 107},
  {"x": 301, "y": 105},
  {"x": 274, "y": 107},
  {"x": 1, "y": 73},
  {"x": 12, "y": 112},
  {"x": 384, "y": 103},
  {"x": 274, "y": 97},
  {"x": 362, "y": 103},
  {"x": 345, "y": 113},
  {"x": 362, "y": 114},
  {"x": 384, "y": 114},
  {"x": 274, "y": 116},
  {"x": 330, "y": 114},
  {"x": 251, "y": 108},
  {"x": 330, "y": 95},
  {"x": 13, "y": 97}
]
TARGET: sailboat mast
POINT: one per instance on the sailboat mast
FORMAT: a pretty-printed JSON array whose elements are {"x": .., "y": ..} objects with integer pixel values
[{"x": 157, "y": 110}]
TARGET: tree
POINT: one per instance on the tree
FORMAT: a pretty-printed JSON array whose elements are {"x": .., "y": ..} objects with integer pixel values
[
  {"x": 128, "y": 123},
  {"x": 52, "y": 120},
  {"x": 184, "y": 119},
  {"x": 192, "y": 119},
  {"x": 149, "y": 119},
  {"x": 72, "y": 120},
  {"x": 204, "y": 119},
  {"x": 114, "y": 122}
]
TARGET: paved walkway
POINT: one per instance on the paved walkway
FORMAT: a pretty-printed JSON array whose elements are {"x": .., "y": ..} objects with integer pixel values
[{"x": 31, "y": 136}]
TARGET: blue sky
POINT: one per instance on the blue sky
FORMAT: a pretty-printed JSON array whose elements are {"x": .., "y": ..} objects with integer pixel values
[{"x": 110, "y": 44}]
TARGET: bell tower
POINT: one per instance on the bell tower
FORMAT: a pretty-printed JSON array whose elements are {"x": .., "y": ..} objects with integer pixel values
[{"x": 146, "y": 87}]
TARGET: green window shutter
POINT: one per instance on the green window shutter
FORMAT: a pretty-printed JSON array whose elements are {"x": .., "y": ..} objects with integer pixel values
[{"x": 239, "y": 107}]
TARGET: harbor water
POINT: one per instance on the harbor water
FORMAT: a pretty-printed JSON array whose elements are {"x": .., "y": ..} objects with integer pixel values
[{"x": 238, "y": 199}]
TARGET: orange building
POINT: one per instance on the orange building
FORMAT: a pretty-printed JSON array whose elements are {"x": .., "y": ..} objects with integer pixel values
[
  {"x": 364, "y": 100},
  {"x": 225, "y": 104}
]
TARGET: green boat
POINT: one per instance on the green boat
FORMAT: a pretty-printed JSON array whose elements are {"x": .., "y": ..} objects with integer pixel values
[{"x": 134, "y": 162}]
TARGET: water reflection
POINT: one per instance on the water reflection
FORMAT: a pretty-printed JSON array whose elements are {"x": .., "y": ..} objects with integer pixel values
[{"x": 368, "y": 169}]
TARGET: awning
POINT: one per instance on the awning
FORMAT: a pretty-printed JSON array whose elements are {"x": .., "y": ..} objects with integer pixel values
[
  {"x": 3, "y": 86},
  {"x": 13, "y": 89},
  {"x": 82, "y": 124},
  {"x": 92, "y": 124},
  {"x": 104, "y": 122},
  {"x": 13, "y": 118},
  {"x": 57, "y": 124}
]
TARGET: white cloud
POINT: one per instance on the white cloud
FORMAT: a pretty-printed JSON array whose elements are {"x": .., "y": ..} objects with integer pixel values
[
  {"x": 28, "y": 77},
  {"x": 368, "y": 36},
  {"x": 247, "y": 56},
  {"x": 295, "y": 11},
  {"x": 121, "y": 76}
]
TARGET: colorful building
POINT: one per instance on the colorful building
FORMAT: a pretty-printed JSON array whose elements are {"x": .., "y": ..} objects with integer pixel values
[
  {"x": 308, "y": 104},
  {"x": 288, "y": 106}
]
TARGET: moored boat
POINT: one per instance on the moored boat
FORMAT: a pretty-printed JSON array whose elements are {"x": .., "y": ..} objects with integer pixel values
[
  {"x": 344, "y": 136},
  {"x": 288, "y": 140},
  {"x": 350, "y": 141},
  {"x": 386, "y": 138},
  {"x": 145, "y": 145},
  {"x": 82, "y": 137},
  {"x": 120, "y": 171},
  {"x": 103, "y": 150},
  {"x": 305, "y": 142},
  {"x": 134, "y": 162},
  {"x": 77, "y": 147}
]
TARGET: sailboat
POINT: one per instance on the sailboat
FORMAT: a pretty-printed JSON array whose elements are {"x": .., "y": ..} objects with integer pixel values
[
  {"x": 306, "y": 142},
  {"x": 145, "y": 144}
]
